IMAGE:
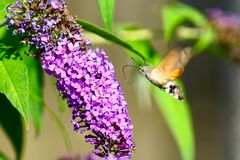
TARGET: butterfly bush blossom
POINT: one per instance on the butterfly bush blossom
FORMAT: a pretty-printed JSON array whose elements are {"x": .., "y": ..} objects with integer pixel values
[
  {"x": 84, "y": 75},
  {"x": 227, "y": 26}
]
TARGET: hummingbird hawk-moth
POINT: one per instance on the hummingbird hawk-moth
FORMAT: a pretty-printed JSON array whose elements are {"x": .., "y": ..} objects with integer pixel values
[{"x": 170, "y": 68}]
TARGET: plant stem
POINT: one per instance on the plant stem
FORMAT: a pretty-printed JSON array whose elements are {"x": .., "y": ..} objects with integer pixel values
[{"x": 61, "y": 127}]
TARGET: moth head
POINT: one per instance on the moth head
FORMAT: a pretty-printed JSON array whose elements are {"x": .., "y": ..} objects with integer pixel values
[{"x": 145, "y": 70}]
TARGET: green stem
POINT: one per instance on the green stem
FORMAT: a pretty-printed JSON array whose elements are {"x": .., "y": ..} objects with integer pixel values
[
  {"x": 109, "y": 36},
  {"x": 61, "y": 127}
]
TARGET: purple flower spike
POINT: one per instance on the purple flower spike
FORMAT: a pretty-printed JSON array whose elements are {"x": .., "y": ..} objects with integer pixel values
[
  {"x": 84, "y": 75},
  {"x": 86, "y": 79},
  {"x": 227, "y": 27}
]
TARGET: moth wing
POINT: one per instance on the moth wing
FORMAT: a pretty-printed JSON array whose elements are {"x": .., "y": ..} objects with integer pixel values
[{"x": 173, "y": 63}]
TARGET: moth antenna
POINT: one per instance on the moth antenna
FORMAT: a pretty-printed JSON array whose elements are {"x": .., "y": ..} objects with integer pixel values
[{"x": 123, "y": 69}]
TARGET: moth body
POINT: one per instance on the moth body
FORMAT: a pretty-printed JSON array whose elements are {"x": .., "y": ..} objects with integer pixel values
[
  {"x": 164, "y": 75},
  {"x": 162, "y": 82},
  {"x": 153, "y": 76}
]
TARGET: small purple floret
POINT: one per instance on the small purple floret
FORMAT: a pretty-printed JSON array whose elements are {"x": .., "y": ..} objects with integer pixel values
[{"x": 55, "y": 4}]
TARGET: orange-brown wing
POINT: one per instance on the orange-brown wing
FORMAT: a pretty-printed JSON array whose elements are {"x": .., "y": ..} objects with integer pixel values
[{"x": 173, "y": 63}]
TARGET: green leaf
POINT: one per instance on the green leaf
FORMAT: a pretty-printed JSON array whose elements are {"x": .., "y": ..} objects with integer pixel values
[
  {"x": 178, "y": 117},
  {"x": 14, "y": 84},
  {"x": 16, "y": 87},
  {"x": 12, "y": 43},
  {"x": 4, "y": 49},
  {"x": 111, "y": 37},
  {"x": 3, "y": 6},
  {"x": 205, "y": 40},
  {"x": 11, "y": 122},
  {"x": 35, "y": 79},
  {"x": 9, "y": 39},
  {"x": 106, "y": 8},
  {"x": 176, "y": 14}
]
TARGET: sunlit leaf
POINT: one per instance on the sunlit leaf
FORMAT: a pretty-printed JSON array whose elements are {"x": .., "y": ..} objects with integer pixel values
[
  {"x": 14, "y": 84},
  {"x": 3, "y": 6},
  {"x": 35, "y": 90},
  {"x": 34, "y": 78},
  {"x": 178, "y": 117},
  {"x": 106, "y": 8},
  {"x": 11, "y": 122}
]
